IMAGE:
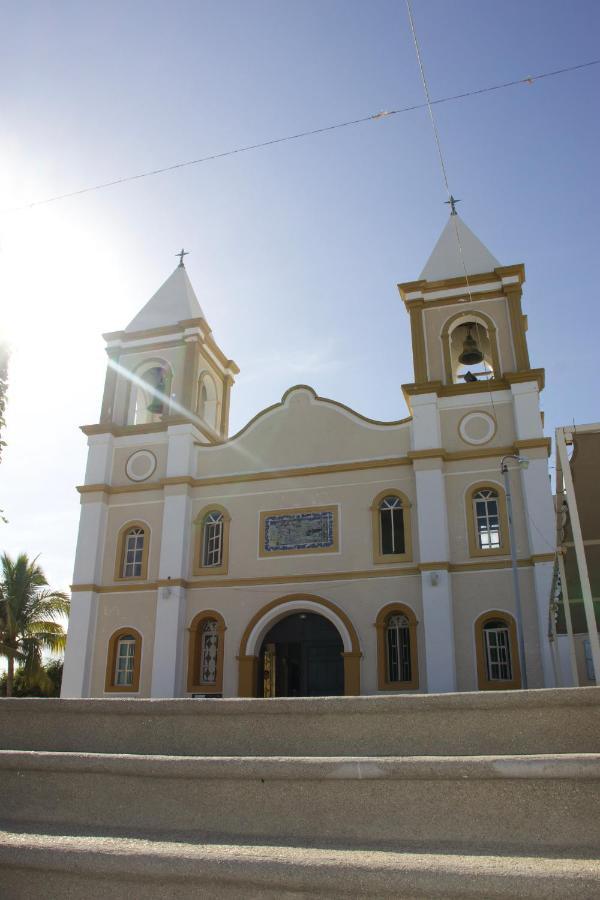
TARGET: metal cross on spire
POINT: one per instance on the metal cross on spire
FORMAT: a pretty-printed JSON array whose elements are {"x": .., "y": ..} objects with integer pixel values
[
  {"x": 181, "y": 254},
  {"x": 452, "y": 204}
]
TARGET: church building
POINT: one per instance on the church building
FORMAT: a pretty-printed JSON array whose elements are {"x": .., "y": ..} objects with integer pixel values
[{"x": 316, "y": 551}]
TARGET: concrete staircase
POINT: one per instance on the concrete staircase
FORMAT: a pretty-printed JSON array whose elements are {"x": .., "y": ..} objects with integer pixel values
[{"x": 459, "y": 795}]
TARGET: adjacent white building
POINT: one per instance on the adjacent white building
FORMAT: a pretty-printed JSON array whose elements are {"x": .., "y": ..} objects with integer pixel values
[{"x": 317, "y": 551}]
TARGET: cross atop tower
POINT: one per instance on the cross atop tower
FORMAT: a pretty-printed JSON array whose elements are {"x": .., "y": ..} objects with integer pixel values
[
  {"x": 452, "y": 204},
  {"x": 181, "y": 254}
]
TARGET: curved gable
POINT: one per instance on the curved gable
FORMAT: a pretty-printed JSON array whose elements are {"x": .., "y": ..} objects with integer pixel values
[{"x": 304, "y": 430}]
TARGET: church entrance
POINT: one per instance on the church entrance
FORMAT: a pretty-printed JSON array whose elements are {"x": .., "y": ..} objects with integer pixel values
[{"x": 301, "y": 656}]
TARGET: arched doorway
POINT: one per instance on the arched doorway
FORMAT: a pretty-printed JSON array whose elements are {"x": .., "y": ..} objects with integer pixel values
[
  {"x": 301, "y": 656},
  {"x": 251, "y": 657}
]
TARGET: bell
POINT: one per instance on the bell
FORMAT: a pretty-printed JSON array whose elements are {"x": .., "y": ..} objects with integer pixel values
[
  {"x": 155, "y": 406},
  {"x": 471, "y": 354}
]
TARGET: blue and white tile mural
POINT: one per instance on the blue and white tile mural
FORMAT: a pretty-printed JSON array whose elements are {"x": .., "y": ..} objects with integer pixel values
[{"x": 299, "y": 531}]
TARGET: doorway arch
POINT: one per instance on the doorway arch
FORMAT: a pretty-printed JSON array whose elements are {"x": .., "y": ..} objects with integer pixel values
[{"x": 269, "y": 615}]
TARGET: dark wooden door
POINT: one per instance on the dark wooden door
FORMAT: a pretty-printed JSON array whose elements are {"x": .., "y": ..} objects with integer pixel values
[{"x": 305, "y": 651}]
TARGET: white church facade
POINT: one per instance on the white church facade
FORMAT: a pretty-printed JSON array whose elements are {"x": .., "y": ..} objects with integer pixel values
[{"x": 317, "y": 552}]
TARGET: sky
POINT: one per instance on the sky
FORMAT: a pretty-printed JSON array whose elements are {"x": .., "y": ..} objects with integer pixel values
[{"x": 296, "y": 249}]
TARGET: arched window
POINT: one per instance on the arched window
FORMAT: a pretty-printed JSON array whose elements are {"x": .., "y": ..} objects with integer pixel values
[
  {"x": 205, "y": 664},
  {"x": 151, "y": 390},
  {"x": 212, "y": 539},
  {"x": 132, "y": 552},
  {"x": 497, "y": 652},
  {"x": 397, "y": 648},
  {"x": 208, "y": 403},
  {"x": 123, "y": 661},
  {"x": 391, "y": 527},
  {"x": 486, "y": 517},
  {"x": 212, "y": 542}
]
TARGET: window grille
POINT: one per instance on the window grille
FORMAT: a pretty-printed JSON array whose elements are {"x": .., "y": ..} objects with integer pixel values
[
  {"x": 212, "y": 542},
  {"x": 497, "y": 651},
  {"x": 391, "y": 526},
  {"x": 398, "y": 648},
  {"x": 209, "y": 652},
  {"x": 487, "y": 519},
  {"x": 125, "y": 661},
  {"x": 134, "y": 552}
]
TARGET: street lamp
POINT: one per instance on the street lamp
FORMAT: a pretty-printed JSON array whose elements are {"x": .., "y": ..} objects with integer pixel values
[{"x": 523, "y": 462}]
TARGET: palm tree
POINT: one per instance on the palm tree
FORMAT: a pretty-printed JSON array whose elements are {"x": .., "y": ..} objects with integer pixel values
[{"x": 28, "y": 613}]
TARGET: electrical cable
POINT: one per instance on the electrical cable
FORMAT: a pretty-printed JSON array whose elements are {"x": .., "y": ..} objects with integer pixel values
[
  {"x": 302, "y": 134},
  {"x": 451, "y": 200}
]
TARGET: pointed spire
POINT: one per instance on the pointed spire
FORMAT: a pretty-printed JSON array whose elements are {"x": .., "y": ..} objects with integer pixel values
[
  {"x": 447, "y": 260},
  {"x": 175, "y": 301}
]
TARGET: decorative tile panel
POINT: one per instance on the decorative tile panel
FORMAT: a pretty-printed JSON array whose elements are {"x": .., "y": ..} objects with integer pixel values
[{"x": 312, "y": 530}]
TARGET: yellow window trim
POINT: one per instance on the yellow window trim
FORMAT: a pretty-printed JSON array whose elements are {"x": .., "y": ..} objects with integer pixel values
[
  {"x": 474, "y": 548},
  {"x": 121, "y": 548},
  {"x": 111, "y": 660},
  {"x": 197, "y": 567},
  {"x": 382, "y": 670},
  {"x": 380, "y": 558},
  {"x": 483, "y": 681},
  {"x": 195, "y": 645}
]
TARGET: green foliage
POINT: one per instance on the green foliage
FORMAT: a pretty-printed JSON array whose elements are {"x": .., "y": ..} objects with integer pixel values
[
  {"x": 24, "y": 687},
  {"x": 28, "y": 626}
]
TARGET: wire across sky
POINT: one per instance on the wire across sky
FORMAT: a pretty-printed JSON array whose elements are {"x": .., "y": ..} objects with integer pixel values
[{"x": 530, "y": 79}]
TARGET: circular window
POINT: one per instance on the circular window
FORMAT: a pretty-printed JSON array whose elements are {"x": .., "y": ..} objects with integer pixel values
[
  {"x": 477, "y": 428},
  {"x": 140, "y": 465}
]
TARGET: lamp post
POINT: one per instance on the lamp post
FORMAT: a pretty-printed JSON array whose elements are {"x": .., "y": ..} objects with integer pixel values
[{"x": 523, "y": 463}]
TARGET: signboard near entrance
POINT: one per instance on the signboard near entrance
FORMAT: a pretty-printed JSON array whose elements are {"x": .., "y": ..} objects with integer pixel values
[{"x": 299, "y": 531}]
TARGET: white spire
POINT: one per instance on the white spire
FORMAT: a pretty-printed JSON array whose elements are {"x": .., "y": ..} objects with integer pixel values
[
  {"x": 446, "y": 260},
  {"x": 174, "y": 302}
]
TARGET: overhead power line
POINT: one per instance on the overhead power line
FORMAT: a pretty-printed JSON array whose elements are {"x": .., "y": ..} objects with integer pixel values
[{"x": 302, "y": 134}]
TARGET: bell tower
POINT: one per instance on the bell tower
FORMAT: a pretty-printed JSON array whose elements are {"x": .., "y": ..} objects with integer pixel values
[
  {"x": 468, "y": 330},
  {"x": 474, "y": 400},
  {"x": 166, "y": 368}
]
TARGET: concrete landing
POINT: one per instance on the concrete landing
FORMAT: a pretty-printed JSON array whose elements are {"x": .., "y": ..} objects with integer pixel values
[{"x": 460, "y": 795}]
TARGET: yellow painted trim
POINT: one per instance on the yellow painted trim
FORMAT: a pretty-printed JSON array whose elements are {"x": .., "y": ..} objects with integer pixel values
[
  {"x": 486, "y": 565},
  {"x": 418, "y": 344},
  {"x": 543, "y": 557},
  {"x": 267, "y": 475},
  {"x": 311, "y": 578},
  {"x": 410, "y": 287},
  {"x": 120, "y": 556},
  {"x": 194, "y": 685},
  {"x": 433, "y": 453},
  {"x": 518, "y": 323},
  {"x": 275, "y": 554},
  {"x": 111, "y": 661},
  {"x": 380, "y": 558},
  {"x": 433, "y": 566},
  {"x": 544, "y": 443},
  {"x": 484, "y": 683},
  {"x": 197, "y": 567},
  {"x": 380, "y": 624},
  {"x": 538, "y": 375},
  {"x": 474, "y": 548}
]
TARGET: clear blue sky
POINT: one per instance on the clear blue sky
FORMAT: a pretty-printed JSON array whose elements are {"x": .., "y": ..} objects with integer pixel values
[{"x": 295, "y": 249}]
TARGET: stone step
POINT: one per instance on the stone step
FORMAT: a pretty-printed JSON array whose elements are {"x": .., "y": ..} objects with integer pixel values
[
  {"x": 38, "y": 865},
  {"x": 501, "y": 802},
  {"x": 563, "y": 720}
]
